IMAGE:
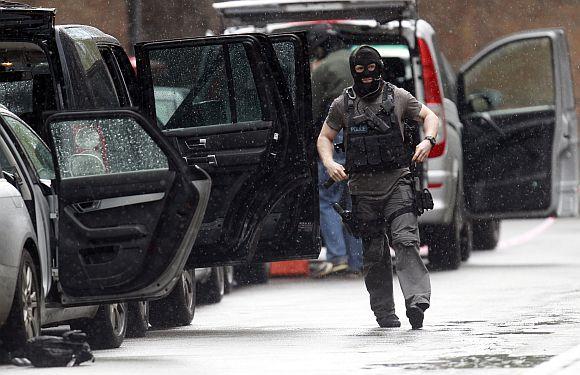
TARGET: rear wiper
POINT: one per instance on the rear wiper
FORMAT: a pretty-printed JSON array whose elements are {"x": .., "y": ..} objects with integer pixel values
[{"x": 13, "y": 4}]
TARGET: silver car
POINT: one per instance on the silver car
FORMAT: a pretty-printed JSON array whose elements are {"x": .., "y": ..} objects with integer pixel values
[{"x": 507, "y": 145}]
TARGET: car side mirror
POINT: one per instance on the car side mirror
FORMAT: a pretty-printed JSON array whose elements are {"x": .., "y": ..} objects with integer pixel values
[{"x": 484, "y": 101}]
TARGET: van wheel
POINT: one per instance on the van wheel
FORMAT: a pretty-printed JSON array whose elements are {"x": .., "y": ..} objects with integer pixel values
[
  {"x": 213, "y": 290},
  {"x": 138, "y": 320},
  {"x": 178, "y": 308},
  {"x": 107, "y": 329},
  {"x": 23, "y": 322},
  {"x": 466, "y": 240},
  {"x": 445, "y": 245},
  {"x": 485, "y": 234}
]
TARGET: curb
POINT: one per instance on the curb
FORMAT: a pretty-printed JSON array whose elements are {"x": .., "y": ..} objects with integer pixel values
[{"x": 567, "y": 363}]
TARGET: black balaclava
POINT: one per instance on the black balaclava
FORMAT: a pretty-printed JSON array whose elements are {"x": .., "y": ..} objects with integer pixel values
[{"x": 365, "y": 55}]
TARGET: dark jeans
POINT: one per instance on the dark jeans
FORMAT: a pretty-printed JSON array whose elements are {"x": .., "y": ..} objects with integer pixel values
[{"x": 404, "y": 238}]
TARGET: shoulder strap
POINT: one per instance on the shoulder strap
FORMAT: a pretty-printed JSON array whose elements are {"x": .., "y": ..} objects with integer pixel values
[
  {"x": 388, "y": 103},
  {"x": 349, "y": 96}
]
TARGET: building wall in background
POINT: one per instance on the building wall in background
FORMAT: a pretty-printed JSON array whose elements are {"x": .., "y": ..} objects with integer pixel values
[{"x": 108, "y": 15}]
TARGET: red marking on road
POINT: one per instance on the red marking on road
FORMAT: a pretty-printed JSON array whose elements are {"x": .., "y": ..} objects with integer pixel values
[{"x": 527, "y": 236}]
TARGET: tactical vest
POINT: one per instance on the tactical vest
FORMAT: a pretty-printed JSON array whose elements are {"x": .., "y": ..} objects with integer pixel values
[{"x": 373, "y": 140}]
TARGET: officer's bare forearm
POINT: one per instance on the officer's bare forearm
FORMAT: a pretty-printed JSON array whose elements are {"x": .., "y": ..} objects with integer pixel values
[
  {"x": 430, "y": 121},
  {"x": 325, "y": 144}
]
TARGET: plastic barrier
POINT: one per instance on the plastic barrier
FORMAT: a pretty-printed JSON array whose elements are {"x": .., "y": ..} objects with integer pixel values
[{"x": 289, "y": 268}]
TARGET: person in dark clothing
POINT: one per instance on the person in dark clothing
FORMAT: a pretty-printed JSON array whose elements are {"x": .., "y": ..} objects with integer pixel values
[
  {"x": 372, "y": 113},
  {"x": 330, "y": 76}
]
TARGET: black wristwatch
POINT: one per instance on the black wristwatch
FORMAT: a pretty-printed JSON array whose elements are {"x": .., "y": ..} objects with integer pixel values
[{"x": 431, "y": 140}]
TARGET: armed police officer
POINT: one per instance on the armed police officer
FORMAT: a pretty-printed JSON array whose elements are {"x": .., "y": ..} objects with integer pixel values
[{"x": 373, "y": 113}]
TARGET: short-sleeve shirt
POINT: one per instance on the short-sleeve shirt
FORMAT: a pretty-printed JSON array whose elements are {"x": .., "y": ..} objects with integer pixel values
[{"x": 406, "y": 106}]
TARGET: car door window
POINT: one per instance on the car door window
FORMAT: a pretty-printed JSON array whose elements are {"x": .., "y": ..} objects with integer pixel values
[
  {"x": 286, "y": 56},
  {"x": 191, "y": 86},
  {"x": 247, "y": 101},
  {"x": 104, "y": 146},
  {"x": 198, "y": 86},
  {"x": 36, "y": 151},
  {"x": 518, "y": 75}
]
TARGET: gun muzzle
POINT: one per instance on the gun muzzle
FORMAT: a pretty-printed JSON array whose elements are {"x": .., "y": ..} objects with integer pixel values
[
  {"x": 328, "y": 183},
  {"x": 339, "y": 210}
]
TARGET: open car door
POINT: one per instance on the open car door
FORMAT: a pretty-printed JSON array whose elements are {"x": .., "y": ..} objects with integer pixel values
[
  {"x": 129, "y": 208},
  {"x": 225, "y": 104},
  {"x": 520, "y": 137}
]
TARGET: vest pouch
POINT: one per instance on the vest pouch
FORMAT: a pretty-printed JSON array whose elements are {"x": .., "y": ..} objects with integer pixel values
[
  {"x": 356, "y": 153},
  {"x": 373, "y": 149},
  {"x": 386, "y": 148}
]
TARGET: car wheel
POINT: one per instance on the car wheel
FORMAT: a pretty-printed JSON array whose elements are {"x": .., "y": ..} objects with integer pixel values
[
  {"x": 466, "y": 240},
  {"x": 107, "y": 329},
  {"x": 445, "y": 245},
  {"x": 228, "y": 279},
  {"x": 138, "y": 319},
  {"x": 213, "y": 290},
  {"x": 255, "y": 273},
  {"x": 23, "y": 322},
  {"x": 485, "y": 234},
  {"x": 178, "y": 308}
]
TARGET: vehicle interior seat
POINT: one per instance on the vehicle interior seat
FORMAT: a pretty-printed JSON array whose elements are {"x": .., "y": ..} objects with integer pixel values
[
  {"x": 43, "y": 100},
  {"x": 395, "y": 73}
]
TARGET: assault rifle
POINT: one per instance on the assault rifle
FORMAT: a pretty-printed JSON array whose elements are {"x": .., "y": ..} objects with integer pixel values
[{"x": 423, "y": 197}]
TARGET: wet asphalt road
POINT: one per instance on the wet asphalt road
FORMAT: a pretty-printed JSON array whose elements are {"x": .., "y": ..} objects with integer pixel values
[{"x": 503, "y": 312}]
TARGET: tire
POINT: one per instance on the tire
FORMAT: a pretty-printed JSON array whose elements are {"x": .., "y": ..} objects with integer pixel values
[
  {"x": 178, "y": 308},
  {"x": 228, "y": 279},
  {"x": 445, "y": 245},
  {"x": 466, "y": 240},
  {"x": 486, "y": 234},
  {"x": 255, "y": 273},
  {"x": 23, "y": 321},
  {"x": 107, "y": 329},
  {"x": 213, "y": 290},
  {"x": 138, "y": 320}
]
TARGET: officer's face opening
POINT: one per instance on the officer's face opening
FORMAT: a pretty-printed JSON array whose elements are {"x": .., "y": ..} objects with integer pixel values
[
  {"x": 361, "y": 68},
  {"x": 369, "y": 68}
]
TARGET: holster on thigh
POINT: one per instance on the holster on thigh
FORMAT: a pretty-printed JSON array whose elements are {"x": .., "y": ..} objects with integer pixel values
[
  {"x": 371, "y": 228},
  {"x": 368, "y": 218}
]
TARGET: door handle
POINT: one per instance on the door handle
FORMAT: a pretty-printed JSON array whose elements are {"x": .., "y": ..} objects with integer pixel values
[
  {"x": 210, "y": 159},
  {"x": 117, "y": 233},
  {"x": 200, "y": 144}
]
